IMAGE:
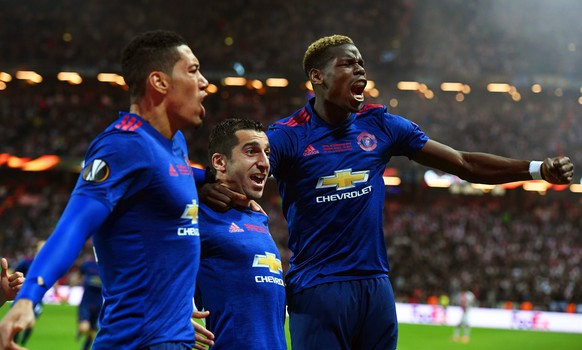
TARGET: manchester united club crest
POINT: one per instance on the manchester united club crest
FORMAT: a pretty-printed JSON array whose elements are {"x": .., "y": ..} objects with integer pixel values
[{"x": 367, "y": 141}]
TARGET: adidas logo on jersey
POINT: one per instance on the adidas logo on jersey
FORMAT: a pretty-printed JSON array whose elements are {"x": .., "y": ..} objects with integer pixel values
[
  {"x": 235, "y": 228},
  {"x": 310, "y": 150},
  {"x": 173, "y": 171}
]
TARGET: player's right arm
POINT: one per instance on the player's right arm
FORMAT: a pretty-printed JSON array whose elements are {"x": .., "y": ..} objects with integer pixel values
[{"x": 81, "y": 218}]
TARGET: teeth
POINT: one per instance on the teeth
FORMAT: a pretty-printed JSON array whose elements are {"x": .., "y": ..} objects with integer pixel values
[{"x": 258, "y": 178}]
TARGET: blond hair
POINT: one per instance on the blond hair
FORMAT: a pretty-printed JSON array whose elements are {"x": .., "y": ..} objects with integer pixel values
[{"x": 316, "y": 55}]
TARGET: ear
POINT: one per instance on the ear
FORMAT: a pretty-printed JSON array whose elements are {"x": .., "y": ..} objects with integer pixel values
[
  {"x": 158, "y": 81},
  {"x": 219, "y": 162},
  {"x": 315, "y": 76}
]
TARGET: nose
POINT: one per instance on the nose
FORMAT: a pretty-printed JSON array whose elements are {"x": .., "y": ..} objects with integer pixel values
[
  {"x": 359, "y": 69},
  {"x": 263, "y": 162},
  {"x": 203, "y": 82}
]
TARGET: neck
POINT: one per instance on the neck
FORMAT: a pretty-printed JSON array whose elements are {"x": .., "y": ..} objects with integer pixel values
[
  {"x": 329, "y": 112},
  {"x": 156, "y": 116}
]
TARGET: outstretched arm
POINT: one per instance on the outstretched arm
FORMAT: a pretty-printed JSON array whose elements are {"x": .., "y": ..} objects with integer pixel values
[
  {"x": 81, "y": 218},
  {"x": 488, "y": 168}
]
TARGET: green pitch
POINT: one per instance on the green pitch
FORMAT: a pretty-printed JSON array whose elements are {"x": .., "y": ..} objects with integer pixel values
[{"x": 56, "y": 330}]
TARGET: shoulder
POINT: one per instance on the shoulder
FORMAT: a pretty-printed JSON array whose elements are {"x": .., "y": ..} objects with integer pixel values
[
  {"x": 372, "y": 109},
  {"x": 292, "y": 122}
]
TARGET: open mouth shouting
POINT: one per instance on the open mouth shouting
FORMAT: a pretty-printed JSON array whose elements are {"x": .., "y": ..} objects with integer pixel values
[
  {"x": 357, "y": 90},
  {"x": 258, "y": 180}
]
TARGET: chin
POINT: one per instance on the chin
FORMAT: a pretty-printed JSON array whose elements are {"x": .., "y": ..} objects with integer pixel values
[{"x": 254, "y": 194}]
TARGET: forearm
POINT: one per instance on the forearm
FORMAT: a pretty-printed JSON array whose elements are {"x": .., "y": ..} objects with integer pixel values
[
  {"x": 491, "y": 169},
  {"x": 475, "y": 167},
  {"x": 79, "y": 220}
]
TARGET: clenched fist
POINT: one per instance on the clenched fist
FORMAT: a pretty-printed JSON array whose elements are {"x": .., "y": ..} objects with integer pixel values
[{"x": 558, "y": 170}]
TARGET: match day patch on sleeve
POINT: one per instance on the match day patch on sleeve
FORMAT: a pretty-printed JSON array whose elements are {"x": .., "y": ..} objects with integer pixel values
[{"x": 96, "y": 171}]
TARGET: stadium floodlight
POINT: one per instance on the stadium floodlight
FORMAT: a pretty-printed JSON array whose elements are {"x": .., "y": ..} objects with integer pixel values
[
  {"x": 234, "y": 81},
  {"x": 536, "y": 186},
  {"x": 112, "y": 78},
  {"x": 536, "y": 88},
  {"x": 449, "y": 86},
  {"x": 498, "y": 87},
  {"x": 277, "y": 82},
  {"x": 212, "y": 89},
  {"x": 30, "y": 76},
  {"x": 391, "y": 180},
  {"x": 408, "y": 85},
  {"x": 5, "y": 77},
  {"x": 70, "y": 77}
]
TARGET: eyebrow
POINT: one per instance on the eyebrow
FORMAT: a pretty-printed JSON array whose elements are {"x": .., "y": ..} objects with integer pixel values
[{"x": 254, "y": 144}]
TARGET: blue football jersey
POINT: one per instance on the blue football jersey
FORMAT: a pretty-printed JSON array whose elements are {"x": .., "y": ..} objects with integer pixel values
[
  {"x": 149, "y": 247},
  {"x": 240, "y": 280},
  {"x": 330, "y": 181}
]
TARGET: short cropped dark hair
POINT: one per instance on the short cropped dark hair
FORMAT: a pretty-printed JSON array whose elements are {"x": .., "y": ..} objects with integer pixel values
[
  {"x": 223, "y": 139},
  {"x": 147, "y": 52},
  {"x": 317, "y": 54}
]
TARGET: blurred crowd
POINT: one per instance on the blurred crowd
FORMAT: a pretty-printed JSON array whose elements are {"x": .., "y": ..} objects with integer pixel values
[{"x": 518, "y": 247}]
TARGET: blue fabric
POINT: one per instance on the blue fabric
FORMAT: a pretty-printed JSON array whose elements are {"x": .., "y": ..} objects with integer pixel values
[
  {"x": 240, "y": 280},
  {"x": 136, "y": 195},
  {"x": 82, "y": 216},
  {"x": 330, "y": 181},
  {"x": 168, "y": 346},
  {"x": 350, "y": 315},
  {"x": 199, "y": 176},
  {"x": 148, "y": 249}
]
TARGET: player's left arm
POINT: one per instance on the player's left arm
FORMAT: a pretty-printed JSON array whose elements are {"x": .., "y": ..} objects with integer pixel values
[{"x": 489, "y": 168}]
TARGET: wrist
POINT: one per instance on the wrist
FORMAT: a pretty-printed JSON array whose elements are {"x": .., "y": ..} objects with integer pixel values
[
  {"x": 32, "y": 290},
  {"x": 535, "y": 169}
]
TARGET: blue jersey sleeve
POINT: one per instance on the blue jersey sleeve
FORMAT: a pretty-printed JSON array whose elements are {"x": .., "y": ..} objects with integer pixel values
[
  {"x": 116, "y": 167},
  {"x": 407, "y": 136},
  {"x": 281, "y": 144},
  {"x": 81, "y": 218}
]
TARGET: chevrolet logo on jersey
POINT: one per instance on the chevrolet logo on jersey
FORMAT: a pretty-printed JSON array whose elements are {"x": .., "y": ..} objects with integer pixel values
[
  {"x": 268, "y": 260},
  {"x": 191, "y": 212},
  {"x": 343, "y": 179}
]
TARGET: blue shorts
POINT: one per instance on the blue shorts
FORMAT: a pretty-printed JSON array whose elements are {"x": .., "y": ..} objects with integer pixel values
[
  {"x": 168, "y": 346},
  {"x": 358, "y": 314}
]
